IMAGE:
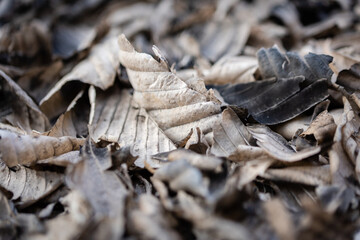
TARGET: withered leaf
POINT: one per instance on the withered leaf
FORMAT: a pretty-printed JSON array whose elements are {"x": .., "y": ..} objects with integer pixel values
[
  {"x": 298, "y": 83},
  {"x": 231, "y": 70},
  {"x": 102, "y": 188},
  {"x": 18, "y": 109},
  {"x": 277, "y": 147},
  {"x": 272, "y": 63},
  {"x": 229, "y": 134},
  {"x": 309, "y": 175},
  {"x": 350, "y": 78},
  {"x": 150, "y": 221},
  {"x": 176, "y": 105},
  {"x": 322, "y": 127},
  {"x": 182, "y": 176},
  {"x": 25, "y": 43},
  {"x": 26, "y": 185},
  {"x": 197, "y": 160},
  {"x": 75, "y": 219},
  {"x": 98, "y": 69},
  {"x": 208, "y": 225},
  {"x": 118, "y": 119},
  {"x": 26, "y": 149},
  {"x": 284, "y": 225}
]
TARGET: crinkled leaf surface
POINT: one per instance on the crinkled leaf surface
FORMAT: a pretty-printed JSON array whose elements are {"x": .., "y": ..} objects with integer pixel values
[{"x": 176, "y": 105}]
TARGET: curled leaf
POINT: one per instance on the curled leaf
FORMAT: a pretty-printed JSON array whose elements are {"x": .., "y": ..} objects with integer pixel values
[
  {"x": 277, "y": 147},
  {"x": 18, "y": 108},
  {"x": 229, "y": 134},
  {"x": 176, "y": 105},
  {"x": 27, "y": 185},
  {"x": 26, "y": 150},
  {"x": 98, "y": 69},
  {"x": 309, "y": 175}
]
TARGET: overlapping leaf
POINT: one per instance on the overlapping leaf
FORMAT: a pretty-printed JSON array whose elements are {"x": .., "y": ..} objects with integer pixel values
[
  {"x": 300, "y": 83},
  {"x": 120, "y": 120},
  {"x": 176, "y": 105}
]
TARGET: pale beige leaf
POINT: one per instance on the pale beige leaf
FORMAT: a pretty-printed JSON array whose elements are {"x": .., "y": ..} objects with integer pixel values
[
  {"x": 229, "y": 134},
  {"x": 176, "y": 105},
  {"x": 98, "y": 69},
  {"x": 197, "y": 160},
  {"x": 26, "y": 150},
  {"x": 280, "y": 219},
  {"x": 231, "y": 70},
  {"x": 62, "y": 160},
  {"x": 309, "y": 175},
  {"x": 18, "y": 108},
  {"x": 277, "y": 147},
  {"x": 251, "y": 169},
  {"x": 118, "y": 119},
  {"x": 289, "y": 128},
  {"x": 182, "y": 176},
  {"x": 27, "y": 185},
  {"x": 246, "y": 153},
  {"x": 322, "y": 127},
  {"x": 341, "y": 164}
]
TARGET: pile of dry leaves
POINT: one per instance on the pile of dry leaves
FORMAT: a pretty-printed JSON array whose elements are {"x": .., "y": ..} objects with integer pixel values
[{"x": 179, "y": 119}]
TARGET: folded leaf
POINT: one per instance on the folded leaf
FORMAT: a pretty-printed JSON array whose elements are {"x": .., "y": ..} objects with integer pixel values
[
  {"x": 229, "y": 134},
  {"x": 309, "y": 175},
  {"x": 26, "y": 150},
  {"x": 277, "y": 147},
  {"x": 17, "y": 108},
  {"x": 177, "y": 106},
  {"x": 98, "y": 69}
]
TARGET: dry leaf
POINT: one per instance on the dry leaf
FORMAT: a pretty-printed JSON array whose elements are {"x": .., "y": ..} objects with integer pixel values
[
  {"x": 18, "y": 108},
  {"x": 98, "y": 69},
  {"x": 309, "y": 175},
  {"x": 223, "y": 38},
  {"x": 277, "y": 147},
  {"x": 177, "y": 106},
  {"x": 70, "y": 39},
  {"x": 229, "y": 134},
  {"x": 26, "y": 149},
  {"x": 231, "y": 70},
  {"x": 182, "y": 176},
  {"x": 74, "y": 220},
  {"x": 102, "y": 188},
  {"x": 129, "y": 126},
  {"x": 207, "y": 163},
  {"x": 26, "y": 185},
  {"x": 284, "y": 225},
  {"x": 149, "y": 220},
  {"x": 322, "y": 127}
]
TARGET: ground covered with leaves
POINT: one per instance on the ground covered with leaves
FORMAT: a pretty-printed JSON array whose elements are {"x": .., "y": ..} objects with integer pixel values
[{"x": 179, "y": 119}]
